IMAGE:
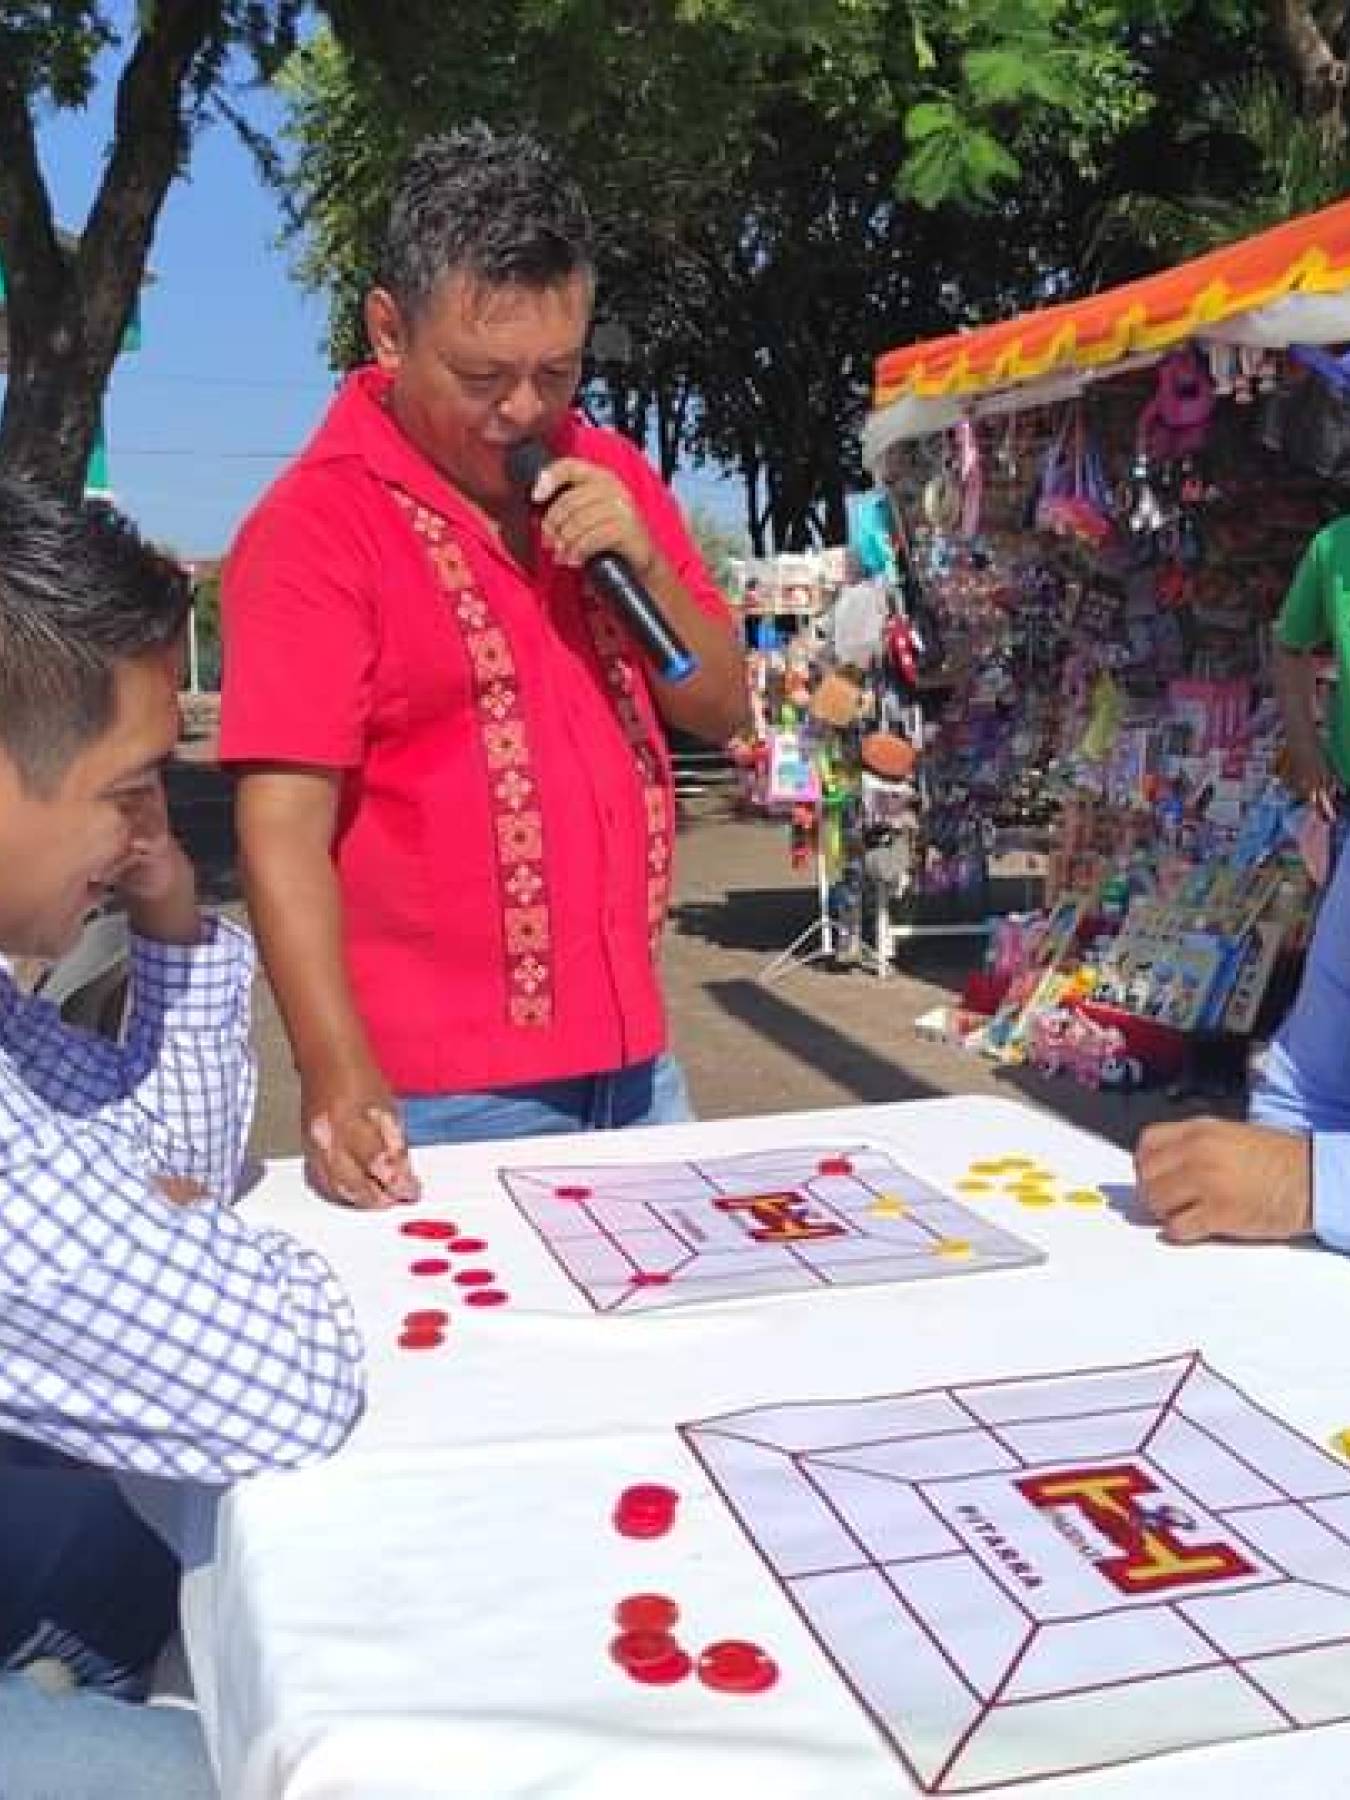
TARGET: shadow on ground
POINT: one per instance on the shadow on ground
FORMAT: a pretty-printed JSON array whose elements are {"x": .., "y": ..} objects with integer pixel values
[
  {"x": 853, "y": 1065},
  {"x": 766, "y": 921},
  {"x": 1118, "y": 1117}
]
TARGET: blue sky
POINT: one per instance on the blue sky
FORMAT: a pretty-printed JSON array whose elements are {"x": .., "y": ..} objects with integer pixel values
[{"x": 230, "y": 377}]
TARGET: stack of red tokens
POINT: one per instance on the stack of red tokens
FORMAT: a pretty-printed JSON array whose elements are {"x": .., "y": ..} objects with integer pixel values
[
  {"x": 424, "y": 1330},
  {"x": 648, "y": 1650},
  {"x": 835, "y": 1165},
  {"x": 651, "y": 1657},
  {"x": 645, "y": 1511}
]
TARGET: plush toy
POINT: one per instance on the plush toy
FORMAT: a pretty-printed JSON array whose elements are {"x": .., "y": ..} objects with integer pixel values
[{"x": 1175, "y": 423}]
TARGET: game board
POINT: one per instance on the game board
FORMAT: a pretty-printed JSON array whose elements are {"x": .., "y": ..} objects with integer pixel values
[
  {"x": 1034, "y": 1577},
  {"x": 642, "y": 1236}
]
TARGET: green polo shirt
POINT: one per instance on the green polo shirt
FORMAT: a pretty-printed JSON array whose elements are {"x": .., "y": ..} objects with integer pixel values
[{"x": 1316, "y": 616}]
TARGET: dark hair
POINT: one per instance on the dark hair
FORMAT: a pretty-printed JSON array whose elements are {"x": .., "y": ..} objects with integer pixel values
[
  {"x": 79, "y": 593},
  {"x": 495, "y": 207}
]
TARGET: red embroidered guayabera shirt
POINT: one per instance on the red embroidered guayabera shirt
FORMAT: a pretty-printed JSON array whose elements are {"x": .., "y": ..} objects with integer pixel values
[{"x": 506, "y": 819}]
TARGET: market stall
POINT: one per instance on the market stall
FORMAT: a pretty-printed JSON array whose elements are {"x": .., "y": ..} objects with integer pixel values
[{"x": 1095, "y": 510}]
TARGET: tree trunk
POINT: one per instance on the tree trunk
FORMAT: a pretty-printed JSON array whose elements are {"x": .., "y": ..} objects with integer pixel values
[
  {"x": 1314, "y": 64},
  {"x": 66, "y": 313},
  {"x": 54, "y": 397}
]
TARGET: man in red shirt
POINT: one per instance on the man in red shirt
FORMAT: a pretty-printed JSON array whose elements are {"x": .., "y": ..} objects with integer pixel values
[{"x": 455, "y": 810}]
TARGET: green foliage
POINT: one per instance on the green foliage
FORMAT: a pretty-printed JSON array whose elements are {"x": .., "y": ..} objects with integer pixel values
[
  {"x": 777, "y": 187},
  {"x": 719, "y": 544},
  {"x": 52, "y": 48},
  {"x": 1251, "y": 159},
  {"x": 206, "y": 606}
]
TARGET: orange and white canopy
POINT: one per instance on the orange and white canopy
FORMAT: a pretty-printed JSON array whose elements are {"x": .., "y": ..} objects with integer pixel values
[{"x": 1289, "y": 285}]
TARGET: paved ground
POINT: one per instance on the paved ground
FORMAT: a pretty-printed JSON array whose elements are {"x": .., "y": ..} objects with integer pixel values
[{"x": 819, "y": 1037}]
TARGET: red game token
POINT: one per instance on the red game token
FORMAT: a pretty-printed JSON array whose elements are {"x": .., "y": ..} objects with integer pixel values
[
  {"x": 475, "y": 1278},
  {"x": 486, "y": 1297},
  {"x": 652, "y": 1657},
  {"x": 429, "y": 1228},
  {"x": 421, "y": 1337},
  {"x": 430, "y": 1265},
  {"x": 733, "y": 1667},
  {"x": 650, "y": 1278},
  {"x": 572, "y": 1193},
  {"x": 835, "y": 1165},
  {"x": 432, "y": 1316},
  {"x": 466, "y": 1246},
  {"x": 646, "y": 1612},
  {"x": 645, "y": 1511}
]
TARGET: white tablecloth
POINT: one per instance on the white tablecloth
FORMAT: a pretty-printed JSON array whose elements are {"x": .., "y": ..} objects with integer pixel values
[{"x": 429, "y": 1613}]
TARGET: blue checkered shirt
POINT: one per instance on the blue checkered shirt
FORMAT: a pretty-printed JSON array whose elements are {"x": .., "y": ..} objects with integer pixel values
[{"x": 137, "y": 1334}]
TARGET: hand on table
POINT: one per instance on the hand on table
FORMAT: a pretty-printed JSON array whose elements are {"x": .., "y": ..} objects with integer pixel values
[
  {"x": 355, "y": 1150},
  {"x": 1208, "y": 1178}
]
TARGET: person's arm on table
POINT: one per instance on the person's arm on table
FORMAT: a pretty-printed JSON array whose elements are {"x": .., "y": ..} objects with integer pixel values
[
  {"x": 1287, "y": 1172},
  {"x": 135, "y": 1333},
  {"x": 588, "y": 510},
  {"x": 354, "y": 1141},
  {"x": 161, "y": 1339}
]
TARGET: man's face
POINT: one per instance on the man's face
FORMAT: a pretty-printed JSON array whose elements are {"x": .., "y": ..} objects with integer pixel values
[
  {"x": 479, "y": 368},
  {"x": 60, "y": 850}
]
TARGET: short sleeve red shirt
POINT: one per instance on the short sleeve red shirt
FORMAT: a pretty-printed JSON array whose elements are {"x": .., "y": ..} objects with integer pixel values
[{"x": 506, "y": 819}]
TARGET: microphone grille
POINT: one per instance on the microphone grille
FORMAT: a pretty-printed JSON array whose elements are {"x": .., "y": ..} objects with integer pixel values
[{"x": 526, "y": 462}]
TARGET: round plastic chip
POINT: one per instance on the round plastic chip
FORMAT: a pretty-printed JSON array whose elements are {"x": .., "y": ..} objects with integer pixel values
[
  {"x": 646, "y": 1612},
  {"x": 733, "y": 1667},
  {"x": 646, "y": 1510},
  {"x": 652, "y": 1657}
]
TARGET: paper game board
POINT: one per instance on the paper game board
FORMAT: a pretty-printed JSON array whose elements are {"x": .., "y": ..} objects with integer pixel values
[
  {"x": 1033, "y": 1577},
  {"x": 637, "y": 1237}
]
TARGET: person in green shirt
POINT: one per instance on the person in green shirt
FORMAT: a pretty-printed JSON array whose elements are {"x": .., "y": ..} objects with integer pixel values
[{"x": 1315, "y": 618}]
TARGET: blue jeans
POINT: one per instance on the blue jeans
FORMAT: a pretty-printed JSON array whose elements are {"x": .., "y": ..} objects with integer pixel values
[
  {"x": 651, "y": 1093},
  {"x": 87, "y": 1598},
  {"x": 82, "y": 1745}
]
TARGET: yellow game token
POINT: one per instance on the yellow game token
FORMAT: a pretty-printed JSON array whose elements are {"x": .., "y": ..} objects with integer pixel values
[
  {"x": 1018, "y": 1162},
  {"x": 1085, "y": 1197},
  {"x": 988, "y": 1168},
  {"x": 974, "y": 1187},
  {"x": 1340, "y": 1443},
  {"x": 888, "y": 1209},
  {"x": 953, "y": 1247},
  {"x": 1033, "y": 1196}
]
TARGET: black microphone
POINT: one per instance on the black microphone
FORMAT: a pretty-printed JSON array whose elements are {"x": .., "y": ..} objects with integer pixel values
[{"x": 612, "y": 576}]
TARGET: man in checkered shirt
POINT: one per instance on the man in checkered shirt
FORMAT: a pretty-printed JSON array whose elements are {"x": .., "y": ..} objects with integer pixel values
[{"x": 143, "y": 1327}]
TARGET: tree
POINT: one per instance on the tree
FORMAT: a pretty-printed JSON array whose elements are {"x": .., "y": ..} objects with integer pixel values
[
  {"x": 1242, "y": 137},
  {"x": 1311, "y": 35},
  {"x": 782, "y": 189},
  {"x": 68, "y": 297},
  {"x": 719, "y": 545}
]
